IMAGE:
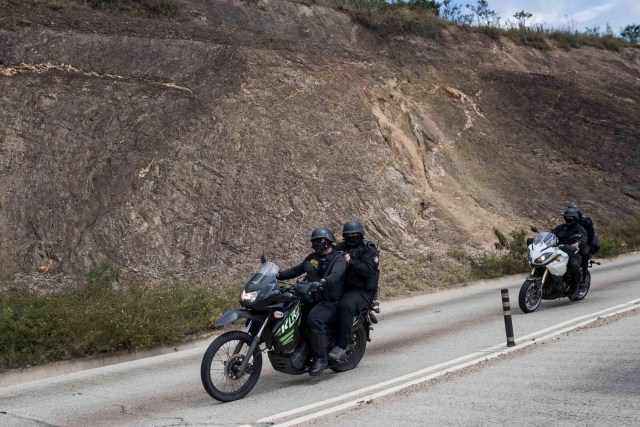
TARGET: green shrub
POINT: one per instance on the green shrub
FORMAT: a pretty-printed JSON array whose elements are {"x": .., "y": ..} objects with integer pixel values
[
  {"x": 167, "y": 8},
  {"x": 509, "y": 258},
  {"x": 102, "y": 274},
  {"x": 56, "y": 4},
  {"x": 104, "y": 3},
  {"x": 616, "y": 239},
  {"x": 42, "y": 328},
  {"x": 418, "y": 17}
]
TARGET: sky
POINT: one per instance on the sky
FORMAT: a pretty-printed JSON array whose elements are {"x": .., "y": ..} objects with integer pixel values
[{"x": 568, "y": 14}]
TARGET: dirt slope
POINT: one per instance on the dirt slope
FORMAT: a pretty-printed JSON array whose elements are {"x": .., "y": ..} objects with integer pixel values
[{"x": 180, "y": 149}]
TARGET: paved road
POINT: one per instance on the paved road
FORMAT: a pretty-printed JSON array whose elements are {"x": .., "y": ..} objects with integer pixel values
[
  {"x": 588, "y": 377},
  {"x": 416, "y": 337}
]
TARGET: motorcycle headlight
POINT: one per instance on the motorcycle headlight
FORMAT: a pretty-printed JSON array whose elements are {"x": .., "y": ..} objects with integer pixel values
[
  {"x": 248, "y": 297},
  {"x": 544, "y": 257}
]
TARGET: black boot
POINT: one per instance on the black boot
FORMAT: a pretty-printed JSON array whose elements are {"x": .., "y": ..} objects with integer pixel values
[
  {"x": 338, "y": 353},
  {"x": 319, "y": 346}
]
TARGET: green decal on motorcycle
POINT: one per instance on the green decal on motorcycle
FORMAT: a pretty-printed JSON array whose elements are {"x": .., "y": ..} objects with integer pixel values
[
  {"x": 289, "y": 321},
  {"x": 287, "y": 337}
]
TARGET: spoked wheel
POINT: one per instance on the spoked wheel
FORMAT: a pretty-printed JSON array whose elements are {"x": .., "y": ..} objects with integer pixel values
[
  {"x": 530, "y": 295},
  {"x": 355, "y": 351},
  {"x": 220, "y": 368}
]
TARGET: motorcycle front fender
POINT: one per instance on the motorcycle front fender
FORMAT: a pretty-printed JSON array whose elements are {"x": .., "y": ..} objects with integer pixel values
[{"x": 233, "y": 315}]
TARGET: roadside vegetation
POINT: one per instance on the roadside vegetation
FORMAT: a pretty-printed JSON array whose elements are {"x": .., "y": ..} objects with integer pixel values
[
  {"x": 424, "y": 18},
  {"x": 510, "y": 257},
  {"x": 100, "y": 317},
  {"x": 427, "y": 18},
  {"x": 620, "y": 238},
  {"x": 159, "y": 8},
  {"x": 104, "y": 316},
  {"x": 510, "y": 254}
]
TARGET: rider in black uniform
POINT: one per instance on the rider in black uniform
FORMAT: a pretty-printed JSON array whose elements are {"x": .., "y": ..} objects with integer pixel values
[
  {"x": 361, "y": 282},
  {"x": 573, "y": 234},
  {"x": 593, "y": 243},
  {"x": 325, "y": 267}
]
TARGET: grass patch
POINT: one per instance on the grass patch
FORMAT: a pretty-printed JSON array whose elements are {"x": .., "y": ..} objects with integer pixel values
[
  {"x": 56, "y": 4},
  {"x": 574, "y": 39},
  {"x": 102, "y": 274},
  {"x": 510, "y": 254},
  {"x": 37, "y": 329},
  {"x": 509, "y": 257},
  {"x": 388, "y": 19},
  {"x": 401, "y": 277},
  {"x": 165, "y": 8},
  {"x": 617, "y": 239}
]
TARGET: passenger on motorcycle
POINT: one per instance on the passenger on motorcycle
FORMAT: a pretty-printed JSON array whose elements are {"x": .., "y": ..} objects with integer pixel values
[
  {"x": 325, "y": 267},
  {"x": 593, "y": 243},
  {"x": 572, "y": 233},
  {"x": 361, "y": 282}
]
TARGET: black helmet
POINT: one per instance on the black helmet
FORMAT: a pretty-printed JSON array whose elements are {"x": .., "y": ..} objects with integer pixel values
[
  {"x": 321, "y": 239},
  {"x": 353, "y": 233},
  {"x": 576, "y": 206},
  {"x": 352, "y": 226},
  {"x": 571, "y": 215},
  {"x": 322, "y": 233}
]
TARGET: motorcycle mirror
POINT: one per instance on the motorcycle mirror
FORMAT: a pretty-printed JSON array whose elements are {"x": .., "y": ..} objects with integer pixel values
[
  {"x": 534, "y": 229},
  {"x": 263, "y": 258}
]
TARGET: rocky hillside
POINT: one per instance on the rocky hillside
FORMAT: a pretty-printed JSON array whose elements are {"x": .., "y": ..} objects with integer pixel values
[{"x": 180, "y": 149}]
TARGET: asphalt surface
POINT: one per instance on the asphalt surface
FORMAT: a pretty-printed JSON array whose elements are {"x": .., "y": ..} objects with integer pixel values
[
  {"x": 415, "y": 337},
  {"x": 589, "y": 377}
]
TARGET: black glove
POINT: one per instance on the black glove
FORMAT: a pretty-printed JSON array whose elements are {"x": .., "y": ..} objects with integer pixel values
[{"x": 315, "y": 287}]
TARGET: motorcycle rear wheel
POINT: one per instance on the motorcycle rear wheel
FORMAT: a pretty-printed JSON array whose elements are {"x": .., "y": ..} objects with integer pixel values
[
  {"x": 218, "y": 370},
  {"x": 355, "y": 351},
  {"x": 530, "y": 296},
  {"x": 584, "y": 288}
]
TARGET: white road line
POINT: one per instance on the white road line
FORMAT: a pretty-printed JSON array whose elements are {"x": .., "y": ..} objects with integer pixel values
[{"x": 449, "y": 366}]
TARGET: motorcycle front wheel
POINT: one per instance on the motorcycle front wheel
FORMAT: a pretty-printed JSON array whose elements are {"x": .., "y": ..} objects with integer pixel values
[
  {"x": 530, "y": 295},
  {"x": 355, "y": 351},
  {"x": 219, "y": 370}
]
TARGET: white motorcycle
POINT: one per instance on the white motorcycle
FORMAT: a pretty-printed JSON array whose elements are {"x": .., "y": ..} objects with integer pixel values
[{"x": 549, "y": 277}]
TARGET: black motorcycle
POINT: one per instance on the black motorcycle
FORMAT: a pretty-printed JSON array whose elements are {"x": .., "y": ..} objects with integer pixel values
[{"x": 273, "y": 313}]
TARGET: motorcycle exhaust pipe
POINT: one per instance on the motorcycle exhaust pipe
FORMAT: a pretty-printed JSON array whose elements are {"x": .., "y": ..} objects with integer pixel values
[{"x": 506, "y": 308}]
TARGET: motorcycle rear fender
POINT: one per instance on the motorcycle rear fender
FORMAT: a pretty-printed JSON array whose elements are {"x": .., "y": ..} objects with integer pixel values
[{"x": 233, "y": 315}]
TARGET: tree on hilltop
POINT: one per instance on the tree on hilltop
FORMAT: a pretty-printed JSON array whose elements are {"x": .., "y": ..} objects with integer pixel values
[{"x": 631, "y": 33}]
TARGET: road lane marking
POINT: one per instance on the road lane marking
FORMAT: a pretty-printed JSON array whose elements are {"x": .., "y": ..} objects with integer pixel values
[{"x": 324, "y": 407}]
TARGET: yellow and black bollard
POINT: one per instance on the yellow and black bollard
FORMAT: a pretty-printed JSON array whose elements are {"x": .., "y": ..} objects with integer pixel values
[{"x": 506, "y": 308}]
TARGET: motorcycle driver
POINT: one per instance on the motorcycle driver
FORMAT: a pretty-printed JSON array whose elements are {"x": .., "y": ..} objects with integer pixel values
[
  {"x": 325, "y": 267},
  {"x": 361, "y": 282},
  {"x": 593, "y": 243},
  {"x": 567, "y": 235}
]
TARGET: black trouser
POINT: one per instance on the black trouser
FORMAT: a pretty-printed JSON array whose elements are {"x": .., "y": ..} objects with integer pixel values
[
  {"x": 585, "y": 253},
  {"x": 574, "y": 269},
  {"x": 319, "y": 317},
  {"x": 351, "y": 303}
]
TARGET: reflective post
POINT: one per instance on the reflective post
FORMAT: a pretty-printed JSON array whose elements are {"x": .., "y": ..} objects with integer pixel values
[{"x": 506, "y": 308}]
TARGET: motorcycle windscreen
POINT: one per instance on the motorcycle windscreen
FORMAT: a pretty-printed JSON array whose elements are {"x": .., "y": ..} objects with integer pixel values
[
  {"x": 265, "y": 276},
  {"x": 547, "y": 239}
]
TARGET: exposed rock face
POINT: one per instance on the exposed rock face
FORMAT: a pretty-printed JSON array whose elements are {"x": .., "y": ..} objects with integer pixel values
[{"x": 180, "y": 149}]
